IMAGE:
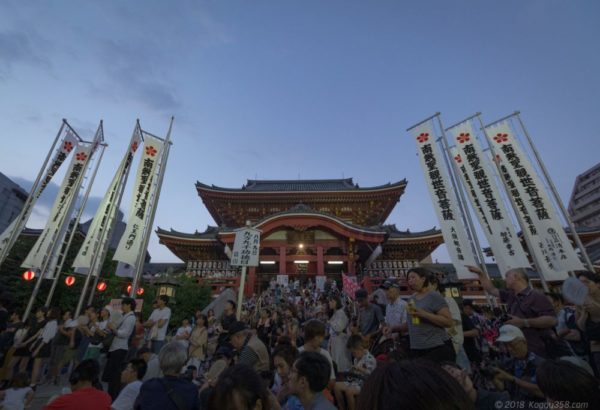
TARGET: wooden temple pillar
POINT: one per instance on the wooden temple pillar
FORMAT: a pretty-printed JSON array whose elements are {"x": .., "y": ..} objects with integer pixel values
[
  {"x": 250, "y": 281},
  {"x": 283, "y": 260},
  {"x": 320, "y": 261}
]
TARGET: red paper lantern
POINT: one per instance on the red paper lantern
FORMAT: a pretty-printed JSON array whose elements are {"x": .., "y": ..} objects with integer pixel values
[
  {"x": 29, "y": 275},
  {"x": 140, "y": 291},
  {"x": 70, "y": 280},
  {"x": 101, "y": 286},
  {"x": 128, "y": 289}
]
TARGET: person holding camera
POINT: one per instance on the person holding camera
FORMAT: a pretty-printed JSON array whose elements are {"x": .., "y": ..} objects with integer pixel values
[{"x": 528, "y": 309}]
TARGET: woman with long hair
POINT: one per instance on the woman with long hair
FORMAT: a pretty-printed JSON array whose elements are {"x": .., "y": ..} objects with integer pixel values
[
  {"x": 429, "y": 317},
  {"x": 198, "y": 341},
  {"x": 338, "y": 323}
]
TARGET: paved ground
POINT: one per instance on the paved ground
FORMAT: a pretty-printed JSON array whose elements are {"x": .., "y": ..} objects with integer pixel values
[{"x": 43, "y": 393}]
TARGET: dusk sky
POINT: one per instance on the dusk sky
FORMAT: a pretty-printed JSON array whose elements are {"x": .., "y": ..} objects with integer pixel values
[{"x": 293, "y": 89}]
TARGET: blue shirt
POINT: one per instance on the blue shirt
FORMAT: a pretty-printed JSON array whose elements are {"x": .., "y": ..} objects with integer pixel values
[{"x": 153, "y": 394}]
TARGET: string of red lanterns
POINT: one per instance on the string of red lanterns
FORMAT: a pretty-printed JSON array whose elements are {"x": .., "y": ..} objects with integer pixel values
[
  {"x": 139, "y": 291},
  {"x": 29, "y": 275},
  {"x": 101, "y": 286},
  {"x": 69, "y": 280}
]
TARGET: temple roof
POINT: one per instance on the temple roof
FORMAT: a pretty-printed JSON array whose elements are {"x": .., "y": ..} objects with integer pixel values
[
  {"x": 300, "y": 185},
  {"x": 394, "y": 233}
]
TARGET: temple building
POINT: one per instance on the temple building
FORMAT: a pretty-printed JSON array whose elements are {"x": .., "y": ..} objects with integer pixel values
[{"x": 308, "y": 228}]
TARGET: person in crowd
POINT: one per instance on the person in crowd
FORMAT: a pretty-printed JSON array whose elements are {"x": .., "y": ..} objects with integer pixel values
[
  {"x": 158, "y": 323},
  {"x": 519, "y": 378},
  {"x": 338, "y": 324},
  {"x": 395, "y": 311},
  {"x": 588, "y": 317},
  {"x": 60, "y": 344},
  {"x": 19, "y": 394},
  {"x": 152, "y": 363},
  {"x": 131, "y": 378},
  {"x": 119, "y": 346},
  {"x": 240, "y": 387},
  {"x": 528, "y": 309},
  {"x": 228, "y": 317},
  {"x": 370, "y": 316},
  {"x": 471, "y": 334},
  {"x": 264, "y": 328},
  {"x": 309, "y": 377},
  {"x": 455, "y": 331},
  {"x": 566, "y": 385},
  {"x": 314, "y": 334},
  {"x": 252, "y": 351},
  {"x": 21, "y": 355},
  {"x": 184, "y": 332},
  {"x": 412, "y": 384},
  {"x": 483, "y": 399},
  {"x": 42, "y": 347},
  {"x": 429, "y": 319},
  {"x": 566, "y": 328},
  {"x": 198, "y": 341},
  {"x": 13, "y": 336},
  {"x": 364, "y": 364},
  {"x": 169, "y": 392},
  {"x": 95, "y": 331},
  {"x": 84, "y": 394},
  {"x": 284, "y": 357}
]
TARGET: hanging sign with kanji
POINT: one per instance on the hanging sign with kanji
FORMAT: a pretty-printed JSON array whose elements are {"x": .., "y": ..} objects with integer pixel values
[{"x": 246, "y": 247}]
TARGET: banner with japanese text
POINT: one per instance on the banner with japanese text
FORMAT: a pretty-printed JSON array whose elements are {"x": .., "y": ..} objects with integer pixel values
[
  {"x": 548, "y": 240},
  {"x": 478, "y": 179},
  {"x": 65, "y": 146},
  {"x": 444, "y": 199},
  {"x": 53, "y": 233},
  {"x": 107, "y": 210},
  {"x": 130, "y": 245}
]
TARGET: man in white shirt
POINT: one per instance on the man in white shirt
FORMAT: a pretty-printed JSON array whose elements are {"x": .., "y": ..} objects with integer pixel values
[
  {"x": 159, "y": 322},
  {"x": 119, "y": 347},
  {"x": 131, "y": 377},
  {"x": 395, "y": 312}
]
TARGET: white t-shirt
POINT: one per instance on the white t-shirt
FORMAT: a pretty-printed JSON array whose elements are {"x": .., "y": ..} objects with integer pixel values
[
  {"x": 159, "y": 333},
  {"x": 182, "y": 331},
  {"x": 14, "y": 399},
  {"x": 126, "y": 399}
]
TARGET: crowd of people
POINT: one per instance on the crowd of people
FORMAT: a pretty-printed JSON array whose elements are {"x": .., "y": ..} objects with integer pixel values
[{"x": 300, "y": 347}]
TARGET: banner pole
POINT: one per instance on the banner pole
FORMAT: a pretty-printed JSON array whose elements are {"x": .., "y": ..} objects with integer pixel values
[
  {"x": 153, "y": 207},
  {"x": 462, "y": 203},
  {"x": 241, "y": 293},
  {"x": 513, "y": 204},
  {"x": 19, "y": 226},
  {"x": 74, "y": 230},
  {"x": 557, "y": 199}
]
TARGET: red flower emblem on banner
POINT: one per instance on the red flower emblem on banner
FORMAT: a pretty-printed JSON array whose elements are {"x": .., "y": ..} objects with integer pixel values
[
  {"x": 458, "y": 159},
  {"x": 498, "y": 158},
  {"x": 463, "y": 137},
  {"x": 500, "y": 138},
  {"x": 151, "y": 151},
  {"x": 81, "y": 156},
  {"x": 68, "y": 146},
  {"x": 134, "y": 146},
  {"x": 423, "y": 137}
]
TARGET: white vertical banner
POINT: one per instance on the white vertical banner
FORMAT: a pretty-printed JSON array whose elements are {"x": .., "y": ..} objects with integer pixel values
[
  {"x": 478, "y": 178},
  {"x": 130, "y": 244},
  {"x": 66, "y": 145},
  {"x": 246, "y": 247},
  {"x": 107, "y": 210},
  {"x": 548, "y": 240},
  {"x": 444, "y": 199},
  {"x": 61, "y": 211}
]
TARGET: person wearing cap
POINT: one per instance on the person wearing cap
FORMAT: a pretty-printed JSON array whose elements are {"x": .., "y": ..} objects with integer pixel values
[
  {"x": 395, "y": 312},
  {"x": 369, "y": 314},
  {"x": 520, "y": 379},
  {"x": 252, "y": 350},
  {"x": 528, "y": 309}
]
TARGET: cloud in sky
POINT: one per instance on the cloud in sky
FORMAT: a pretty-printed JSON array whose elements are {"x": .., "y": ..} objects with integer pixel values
[{"x": 17, "y": 48}]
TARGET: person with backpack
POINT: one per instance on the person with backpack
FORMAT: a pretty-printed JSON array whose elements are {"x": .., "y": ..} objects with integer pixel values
[
  {"x": 567, "y": 328},
  {"x": 117, "y": 351}
]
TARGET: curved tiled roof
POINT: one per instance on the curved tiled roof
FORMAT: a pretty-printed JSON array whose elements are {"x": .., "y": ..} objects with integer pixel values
[{"x": 301, "y": 185}]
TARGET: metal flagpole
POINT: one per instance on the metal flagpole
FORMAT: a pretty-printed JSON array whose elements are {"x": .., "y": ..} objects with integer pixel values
[
  {"x": 153, "y": 207},
  {"x": 103, "y": 245},
  {"x": 74, "y": 229},
  {"x": 513, "y": 204},
  {"x": 241, "y": 293},
  {"x": 462, "y": 203},
  {"x": 42, "y": 270},
  {"x": 588, "y": 262},
  {"x": 17, "y": 230}
]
